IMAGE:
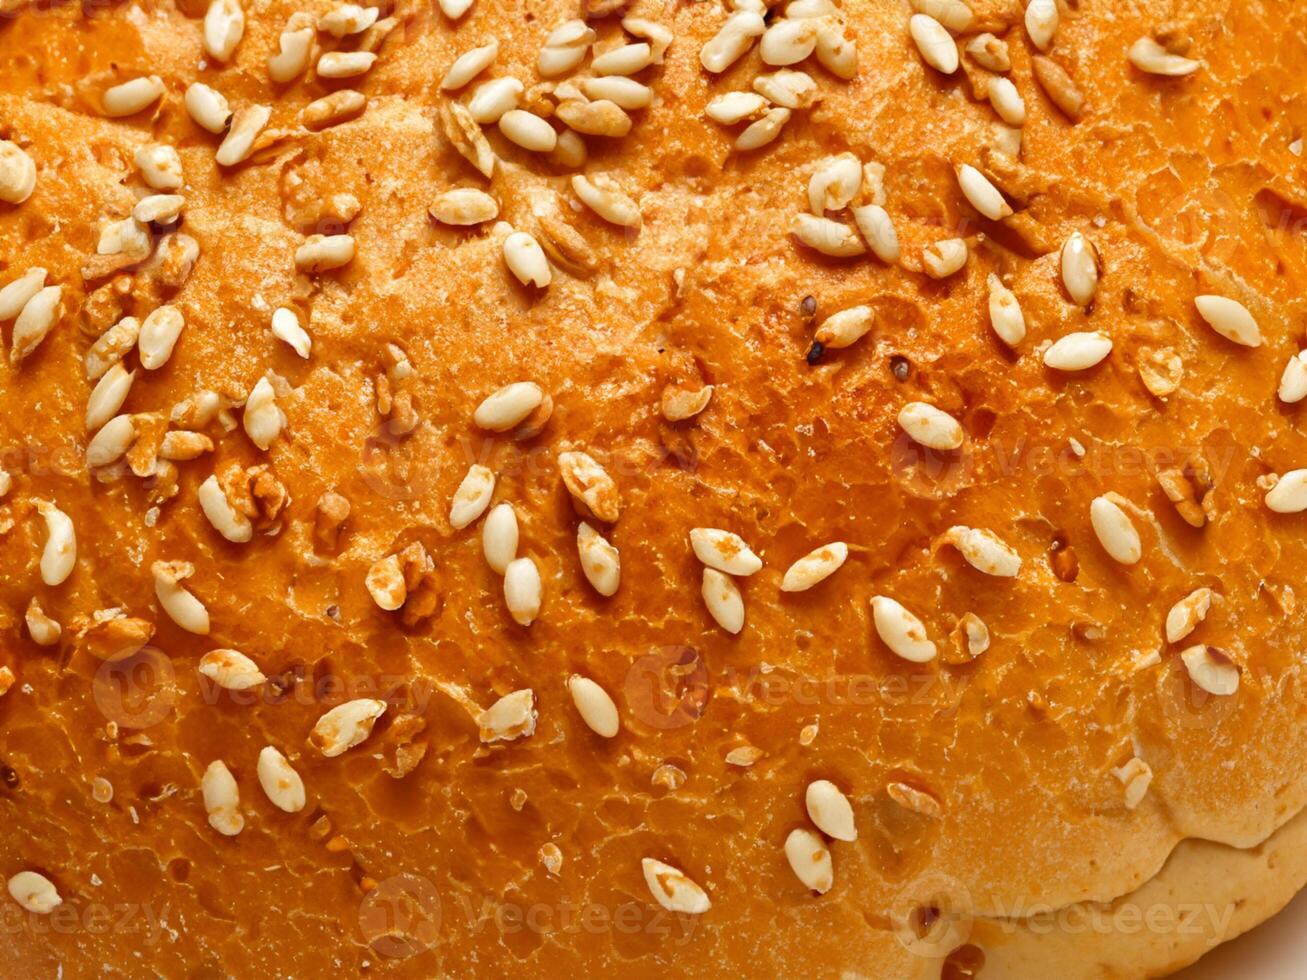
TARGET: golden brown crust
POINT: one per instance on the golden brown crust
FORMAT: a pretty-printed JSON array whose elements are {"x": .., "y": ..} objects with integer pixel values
[{"x": 1184, "y": 186}]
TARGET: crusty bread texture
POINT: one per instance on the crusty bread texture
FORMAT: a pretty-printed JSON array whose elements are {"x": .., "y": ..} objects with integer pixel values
[{"x": 594, "y": 488}]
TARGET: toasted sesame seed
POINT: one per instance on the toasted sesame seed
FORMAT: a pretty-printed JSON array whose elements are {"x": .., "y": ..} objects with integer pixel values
[
  {"x": 1042, "y": 22},
  {"x": 231, "y": 670},
  {"x": 159, "y": 209},
  {"x": 469, "y": 65},
  {"x": 34, "y": 892},
  {"x": 990, "y": 52},
  {"x": 1185, "y": 616},
  {"x": 1059, "y": 86},
  {"x": 942, "y": 259},
  {"x": 347, "y": 19},
  {"x": 985, "y": 551},
  {"x": 787, "y": 42},
  {"x": 509, "y": 406},
  {"x": 281, "y": 783},
  {"x": 763, "y": 130},
  {"x": 333, "y": 109},
  {"x": 722, "y": 597},
  {"x": 901, "y": 631},
  {"x": 494, "y": 98},
  {"x": 1211, "y": 669},
  {"x": 226, "y": 519},
  {"x": 345, "y": 726},
  {"x": 1005, "y": 314},
  {"x": 604, "y": 197},
  {"x": 679, "y": 404},
  {"x": 937, "y": 47},
  {"x": 600, "y": 561},
  {"x": 836, "y": 52},
  {"x": 208, "y": 107},
  {"x": 1079, "y": 265},
  {"x": 981, "y": 193},
  {"x": 160, "y": 166},
  {"x": 1150, "y": 57},
  {"x": 1293, "y": 382},
  {"x": 931, "y": 427},
  {"x": 111, "y": 443},
  {"x": 658, "y": 36},
  {"x": 294, "y": 49},
  {"x": 35, "y": 321},
  {"x": 286, "y": 327},
  {"x": 1289, "y": 493},
  {"x": 1078, "y": 351},
  {"x": 472, "y": 496},
  {"x": 815, "y": 567},
  {"x": 1135, "y": 776},
  {"x": 322, "y": 253},
  {"x": 181, "y": 606},
  {"x": 826, "y": 236},
  {"x": 17, "y": 173},
  {"x": 619, "y": 90},
  {"x": 1115, "y": 531},
  {"x": 59, "y": 555},
  {"x": 528, "y": 131},
  {"x": 953, "y": 14},
  {"x": 830, "y": 810},
  {"x": 224, "y": 26},
  {"x": 385, "y": 583},
  {"x": 1007, "y": 101},
  {"x": 788, "y": 88},
  {"x": 19, "y": 292},
  {"x": 834, "y": 184},
  {"x": 345, "y": 64},
  {"x": 499, "y": 536},
  {"x": 724, "y": 551},
  {"x": 846, "y": 327},
  {"x": 222, "y": 799},
  {"x": 454, "y": 9},
  {"x": 809, "y": 858},
  {"x": 625, "y": 60},
  {"x": 673, "y": 889},
  {"x": 132, "y": 96},
  {"x": 732, "y": 40},
  {"x": 526, "y": 260},
  {"x": 1230, "y": 319},
  {"x": 246, "y": 125},
  {"x": 108, "y": 396},
  {"x": 733, "y": 107},
  {"x": 877, "y": 230},
  {"x": 43, "y": 630},
  {"x": 262, "y": 419},
  {"x": 595, "y": 706},
  {"x": 593, "y": 490},
  {"x": 511, "y": 717},
  {"x": 565, "y": 48}
]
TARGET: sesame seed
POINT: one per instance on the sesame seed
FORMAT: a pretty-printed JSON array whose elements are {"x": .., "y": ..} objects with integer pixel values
[
  {"x": 830, "y": 810},
  {"x": 901, "y": 631},
  {"x": 732, "y": 40},
  {"x": 673, "y": 889},
  {"x": 17, "y": 173},
  {"x": 1078, "y": 351},
  {"x": 1115, "y": 531},
  {"x": 937, "y": 47},
  {"x": 1153, "y": 59},
  {"x": 1211, "y": 670},
  {"x": 1230, "y": 319},
  {"x": 469, "y": 65},
  {"x": 809, "y": 858}
]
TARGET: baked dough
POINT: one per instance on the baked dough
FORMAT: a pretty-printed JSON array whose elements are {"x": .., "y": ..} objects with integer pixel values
[{"x": 1041, "y": 747}]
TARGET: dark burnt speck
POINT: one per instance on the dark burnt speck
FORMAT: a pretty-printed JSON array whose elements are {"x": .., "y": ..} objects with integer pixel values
[
  {"x": 815, "y": 352},
  {"x": 900, "y": 366}
]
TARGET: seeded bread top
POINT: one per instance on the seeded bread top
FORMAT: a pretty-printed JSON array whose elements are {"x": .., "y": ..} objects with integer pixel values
[{"x": 755, "y": 511}]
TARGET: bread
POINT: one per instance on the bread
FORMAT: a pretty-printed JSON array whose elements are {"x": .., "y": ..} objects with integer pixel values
[{"x": 298, "y": 702}]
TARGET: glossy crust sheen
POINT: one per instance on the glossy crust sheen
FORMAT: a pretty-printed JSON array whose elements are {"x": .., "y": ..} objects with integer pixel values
[{"x": 1185, "y": 186}]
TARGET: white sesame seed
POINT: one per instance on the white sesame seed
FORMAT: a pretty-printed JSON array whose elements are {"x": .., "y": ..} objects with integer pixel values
[
  {"x": 931, "y": 427},
  {"x": 346, "y": 726},
  {"x": 34, "y": 892},
  {"x": 345, "y": 64},
  {"x": 511, "y": 717},
  {"x": 621, "y": 91},
  {"x": 937, "y": 47},
  {"x": 17, "y": 173},
  {"x": 1005, "y": 314},
  {"x": 1185, "y": 616},
  {"x": 815, "y": 567},
  {"x": 1293, "y": 382},
  {"x": 787, "y": 42},
  {"x": 877, "y": 230},
  {"x": 499, "y": 537},
  {"x": 836, "y": 52},
  {"x": 953, "y": 14},
  {"x": 108, "y": 396},
  {"x": 226, "y": 519},
  {"x": 454, "y": 9},
  {"x": 1230, "y": 319},
  {"x": 1078, "y": 351},
  {"x": 111, "y": 442},
  {"x": 763, "y": 130},
  {"x": 286, "y": 327},
  {"x": 507, "y": 407},
  {"x": 733, "y": 107},
  {"x": 231, "y": 670},
  {"x": 159, "y": 209},
  {"x": 224, "y": 26},
  {"x": 59, "y": 555},
  {"x": 207, "y": 107},
  {"x": 262, "y": 419},
  {"x": 722, "y": 597},
  {"x": 160, "y": 166},
  {"x": 1115, "y": 531},
  {"x": 565, "y": 48},
  {"x": 679, "y": 404},
  {"x": 528, "y": 131},
  {"x": 593, "y": 490},
  {"x": 901, "y": 631},
  {"x": 222, "y": 799},
  {"x": 469, "y": 65},
  {"x": 1042, "y": 22},
  {"x": 845, "y": 328},
  {"x": 600, "y": 561},
  {"x": 472, "y": 496},
  {"x": 132, "y": 96},
  {"x": 990, "y": 52},
  {"x": 981, "y": 193},
  {"x": 735, "y": 37},
  {"x": 281, "y": 783},
  {"x": 724, "y": 551},
  {"x": 522, "y": 590},
  {"x": 1211, "y": 669},
  {"x": 19, "y": 292},
  {"x": 625, "y": 60},
  {"x": 673, "y": 889},
  {"x": 1079, "y": 265},
  {"x": 294, "y": 51},
  {"x": 322, "y": 253},
  {"x": 246, "y": 125},
  {"x": 494, "y": 98},
  {"x": 604, "y": 197},
  {"x": 596, "y": 708},
  {"x": 809, "y": 858},
  {"x": 658, "y": 36},
  {"x": 181, "y": 606},
  {"x": 347, "y": 19},
  {"x": 826, "y": 236},
  {"x": 526, "y": 260},
  {"x": 830, "y": 810},
  {"x": 1289, "y": 494},
  {"x": 1150, "y": 57},
  {"x": 834, "y": 184},
  {"x": 385, "y": 583},
  {"x": 788, "y": 88},
  {"x": 1007, "y": 101},
  {"x": 943, "y": 259},
  {"x": 985, "y": 551},
  {"x": 34, "y": 322}
]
